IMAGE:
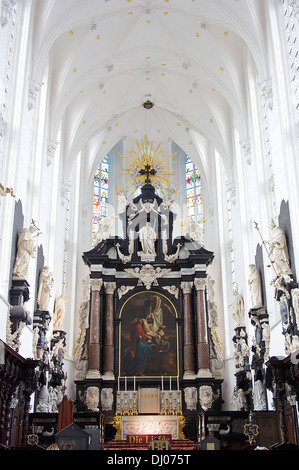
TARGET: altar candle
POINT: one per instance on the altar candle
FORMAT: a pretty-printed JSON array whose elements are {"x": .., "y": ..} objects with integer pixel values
[
  {"x": 118, "y": 384},
  {"x": 125, "y": 384},
  {"x": 170, "y": 383},
  {"x": 134, "y": 383},
  {"x": 162, "y": 383},
  {"x": 178, "y": 383}
]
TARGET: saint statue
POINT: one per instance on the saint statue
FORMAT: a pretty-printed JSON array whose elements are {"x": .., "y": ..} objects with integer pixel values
[
  {"x": 26, "y": 250},
  {"x": 195, "y": 231},
  {"x": 238, "y": 308},
  {"x": 45, "y": 288},
  {"x": 59, "y": 311},
  {"x": 279, "y": 249},
  {"x": 103, "y": 230},
  {"x": 255, "y": 287},
  {"x": 147, "y": 236}
]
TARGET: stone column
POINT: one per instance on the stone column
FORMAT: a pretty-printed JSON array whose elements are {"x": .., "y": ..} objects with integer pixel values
[
  {"x": 189, "y": 363},
  {"x": 94, "y": 330},
  {"x": 108, "y": 340},
  {"x": 203, "y": 355}
]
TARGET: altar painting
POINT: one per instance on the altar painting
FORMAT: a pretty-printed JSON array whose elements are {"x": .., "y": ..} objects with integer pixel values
[{"x": 148, "y": 336}]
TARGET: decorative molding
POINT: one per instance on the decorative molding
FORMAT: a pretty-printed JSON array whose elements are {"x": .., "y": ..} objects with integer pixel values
[
  {"x": 172, "y": 258},
  {"x": 267, "y": 93},
  {"x": 173, "y": 290},
  {"x": 147, "y": 275},
  {"x": 65, "y": 192},
  {"x": 51, "y": 148},
  {"x": 246, "y": 149},
  {"x": 233, "y": 192},
  {"x": 200, "y": 283},
  {"x": 124, "y": 258},
  {"x": 96, "y": 284},
  {"x": 294, "y": 4},
  {"x": 33, "y": 92},
  {"x": 3, "y": 125},
  {"x": 187, "y": 287},
  {"x": 7, "y": 7},
  {"x": 123, "y": 290},
  {"x": 110, "y": 287}
]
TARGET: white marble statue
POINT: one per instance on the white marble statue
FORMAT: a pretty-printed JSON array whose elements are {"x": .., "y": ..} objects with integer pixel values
[
  {"x": 255, "y": 287},
  {"x": 103, "y": 230},
  {"x": 266, "y": 338},
  {"x": 279, "y": 250},
  {"x": 26, "y": 250},
  {"x": 259, "y": 396},
  {"x": 195, "y": 230},
  {"x": 45, "y": 288},
  {"x": 44, "y": 402},
  {"x": 295, "y": 302},
  {"x": 238, "y": 400},
  {"x": 59, "y": 311},
  {"x": 147, "y": 236},
  {"x": 238, "y": 308},
  {"x": 169, "y": 200},
  {"x": 122, "y": 200}
]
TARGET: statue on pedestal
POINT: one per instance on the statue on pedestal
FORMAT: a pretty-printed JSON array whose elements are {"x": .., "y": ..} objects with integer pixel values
[
  {"x": 45, "y": 288},
  {"x": 26, "y": 250},
  {"x": 59, "y": 311},
  {"x": 255, "y": 287},
  {"x": 279, "y": 250},
  {"x": 147, "y": 236},
  {"x": 238, "y": 308}
]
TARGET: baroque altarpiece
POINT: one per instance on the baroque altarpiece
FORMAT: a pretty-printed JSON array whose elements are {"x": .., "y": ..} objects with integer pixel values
[{"x": 151, "y": 347}]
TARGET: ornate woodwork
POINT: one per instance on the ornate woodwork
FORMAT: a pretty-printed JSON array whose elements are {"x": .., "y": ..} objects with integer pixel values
[{"x": 17, "y": 383}]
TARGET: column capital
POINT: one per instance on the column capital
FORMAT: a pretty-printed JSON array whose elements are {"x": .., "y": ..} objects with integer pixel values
[
  {"x": 96, "y": 284},
  {"x": 200, "y": 283},
  {"x": 110, "y": 287},
  {"x": 186, "y": 287}
]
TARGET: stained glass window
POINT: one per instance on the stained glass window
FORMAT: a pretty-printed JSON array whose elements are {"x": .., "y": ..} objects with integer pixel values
[
  {"x": 100, "y": 193},
  {"x": 193, "y": 191}
]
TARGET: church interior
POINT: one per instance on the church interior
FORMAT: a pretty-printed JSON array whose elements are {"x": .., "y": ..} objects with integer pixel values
[{"x": 149, "y": 236}]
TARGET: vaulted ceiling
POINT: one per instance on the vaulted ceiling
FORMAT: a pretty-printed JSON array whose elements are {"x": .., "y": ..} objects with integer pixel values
[{"x": 108, "y": 57}]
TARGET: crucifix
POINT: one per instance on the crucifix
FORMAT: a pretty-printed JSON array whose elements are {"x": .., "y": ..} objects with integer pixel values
[{"x": 147, "y": 171}]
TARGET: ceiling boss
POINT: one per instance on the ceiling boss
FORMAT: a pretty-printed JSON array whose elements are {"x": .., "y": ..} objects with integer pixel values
[{"x": 147, "y": 165}]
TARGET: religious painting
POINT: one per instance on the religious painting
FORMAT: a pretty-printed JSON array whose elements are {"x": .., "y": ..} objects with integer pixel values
[{"x": 148, "y": 336}]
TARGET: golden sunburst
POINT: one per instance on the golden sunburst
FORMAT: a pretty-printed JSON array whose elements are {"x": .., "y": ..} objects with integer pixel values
[{"x": 147, "y": 164}]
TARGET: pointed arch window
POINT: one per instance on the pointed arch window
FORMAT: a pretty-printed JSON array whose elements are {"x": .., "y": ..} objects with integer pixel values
[
  {"x": 100, "y": 193},
  {"x": 193, "y": 191}
]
